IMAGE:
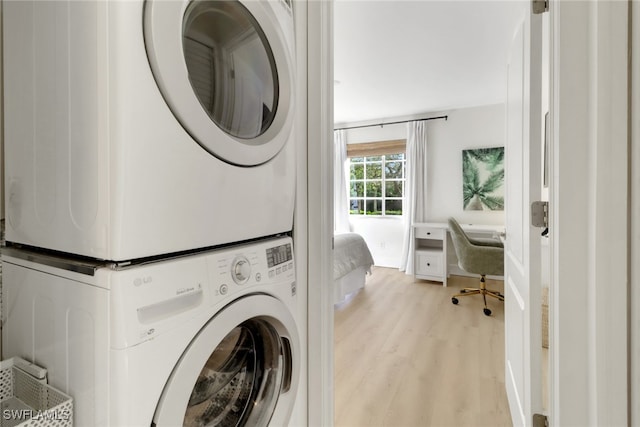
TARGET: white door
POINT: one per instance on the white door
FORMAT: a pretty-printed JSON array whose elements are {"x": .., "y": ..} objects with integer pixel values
[{"x": 522, "y": 246}]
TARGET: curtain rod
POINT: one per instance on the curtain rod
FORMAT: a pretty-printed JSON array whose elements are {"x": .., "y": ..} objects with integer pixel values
[{"x": 393, "y": 123}]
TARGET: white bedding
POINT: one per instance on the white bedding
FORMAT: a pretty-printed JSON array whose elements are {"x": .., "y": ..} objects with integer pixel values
[
  {"x": 351, "y": 261},
  {"x": 348, "y": 284}
]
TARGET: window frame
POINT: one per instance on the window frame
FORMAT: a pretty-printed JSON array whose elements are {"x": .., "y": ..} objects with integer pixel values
[{"x": 376, "y": 153}]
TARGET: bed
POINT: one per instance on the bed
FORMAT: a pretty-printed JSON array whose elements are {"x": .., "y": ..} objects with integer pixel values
[{"x": 352, "y": 261}]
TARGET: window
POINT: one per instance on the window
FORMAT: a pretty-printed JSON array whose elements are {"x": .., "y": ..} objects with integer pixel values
[{"x": 377, "y": 184}]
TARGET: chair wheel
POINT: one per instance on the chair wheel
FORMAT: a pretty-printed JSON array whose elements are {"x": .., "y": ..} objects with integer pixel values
[
  {"x": 454, "y": 300},
  {"x": 463, "y": 291},
  {"x": 487, "y": 312}
]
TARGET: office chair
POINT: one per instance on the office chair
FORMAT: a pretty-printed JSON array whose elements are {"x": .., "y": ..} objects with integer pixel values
[{"x": 477, "y": 256}]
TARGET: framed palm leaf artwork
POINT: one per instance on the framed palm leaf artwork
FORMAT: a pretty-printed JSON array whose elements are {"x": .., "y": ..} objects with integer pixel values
[{"x": 483, "y": 179}]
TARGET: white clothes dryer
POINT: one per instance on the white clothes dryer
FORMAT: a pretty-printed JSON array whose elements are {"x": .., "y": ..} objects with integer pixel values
[
  {"x": 139, "y": 128},
  {"x": 206, "y": 339}
]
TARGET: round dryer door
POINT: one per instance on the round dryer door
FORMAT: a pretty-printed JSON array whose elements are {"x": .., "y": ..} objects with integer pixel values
[
  {"x": 240, "y": 370},
  {"x": 224, "y": 69}
]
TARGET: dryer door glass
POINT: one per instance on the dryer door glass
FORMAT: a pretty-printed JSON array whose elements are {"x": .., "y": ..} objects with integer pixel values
[
  {"x": 242, "y": 379},
  {"x": 226, "y": 72},
  {"x": 231, "y": 67}
]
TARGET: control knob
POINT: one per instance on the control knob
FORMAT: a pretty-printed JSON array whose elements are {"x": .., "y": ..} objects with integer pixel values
[{"x": 241, "y": 270}]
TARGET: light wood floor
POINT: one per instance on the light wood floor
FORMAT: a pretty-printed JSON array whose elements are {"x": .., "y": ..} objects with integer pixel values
[{"x": 406, "y": 357}]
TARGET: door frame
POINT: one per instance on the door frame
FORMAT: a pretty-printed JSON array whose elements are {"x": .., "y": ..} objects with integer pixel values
[
  {"x": 634, "y": 224},
  {"x": 589, "y": 213},
  {"x": 589, "y": 239},
  {"x": 319, "y": 205}
]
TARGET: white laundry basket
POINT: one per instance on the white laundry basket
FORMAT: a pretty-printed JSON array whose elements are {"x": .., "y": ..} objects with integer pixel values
[{"x": 26, "y": 400}]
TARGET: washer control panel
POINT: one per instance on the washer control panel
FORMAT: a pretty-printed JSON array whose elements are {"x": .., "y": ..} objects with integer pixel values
[
  {"x": 148, "y": 300},
  {"x": 279, "y": 259},
  {"x": 255, "y": 264}
]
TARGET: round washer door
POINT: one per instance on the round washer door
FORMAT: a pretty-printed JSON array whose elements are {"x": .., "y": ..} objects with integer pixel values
[
  {"x": 225, "y": 70},
  {"x": 241, "y": 369}
]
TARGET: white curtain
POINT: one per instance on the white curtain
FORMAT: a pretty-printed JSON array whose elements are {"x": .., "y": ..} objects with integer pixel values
[
  {"x": 415, "y": 195},
  {"x": 340, "y": 200}
]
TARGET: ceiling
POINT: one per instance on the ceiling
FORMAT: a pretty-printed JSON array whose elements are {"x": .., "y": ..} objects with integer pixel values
[{"x": 406, "y": 58}]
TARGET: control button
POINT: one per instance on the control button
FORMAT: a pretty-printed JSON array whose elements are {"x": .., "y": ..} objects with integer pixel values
[
  {"x": 223, "y": 289},
  {"x": 241, "y": 270},
  {"x": 271, "y": 274},
  {"x": 290, "y": 266},
  {"x": 258, "y": 277},
  {"x": 278, "y": 270},
  {"x": 284, "y": 268}
]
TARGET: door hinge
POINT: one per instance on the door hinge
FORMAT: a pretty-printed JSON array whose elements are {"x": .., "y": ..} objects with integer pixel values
[
  {"x": 540, "y": 214},
  {"x": 539, "y": 6},
  {"x": 540, "y": 420}
]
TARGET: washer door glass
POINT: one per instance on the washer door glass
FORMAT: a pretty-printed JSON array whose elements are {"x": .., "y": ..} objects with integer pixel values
[
  {"x": 231, "y": 67},
  {"x": 224, "y": 69},
  {"x": 241, "y": 381},
  {"x": 240, "y": 369}
]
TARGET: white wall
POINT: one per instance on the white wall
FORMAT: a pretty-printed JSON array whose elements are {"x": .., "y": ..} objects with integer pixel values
[
  {"x": 478, "y": 127},
  {"x": 383, "y": 236},
  {"x": 465, "y": 128}
]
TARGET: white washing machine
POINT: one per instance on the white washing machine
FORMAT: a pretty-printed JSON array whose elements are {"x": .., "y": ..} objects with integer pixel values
[
  {"x": 138, "y": 128},
  {"x": 206, "y": 339}
]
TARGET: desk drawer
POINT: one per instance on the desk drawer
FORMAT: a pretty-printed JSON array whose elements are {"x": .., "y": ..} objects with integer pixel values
[
  {"x": 430, "y": 233},
  {"x": 429, "y": 263}
]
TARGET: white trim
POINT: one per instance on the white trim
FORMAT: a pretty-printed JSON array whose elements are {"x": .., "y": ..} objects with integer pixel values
[
  {"x": 588, "y": 300},
  {"x": 300, "y": 220},
  {"x": 320, "y": 210},
  {"x": 634, "y": 259}
]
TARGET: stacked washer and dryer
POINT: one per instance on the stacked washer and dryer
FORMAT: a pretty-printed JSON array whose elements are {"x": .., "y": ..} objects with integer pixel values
[{"x": 150, "y": 186}]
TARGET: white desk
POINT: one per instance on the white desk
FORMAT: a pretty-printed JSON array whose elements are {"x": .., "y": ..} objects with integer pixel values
[{"x": 432, "y": 257}]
